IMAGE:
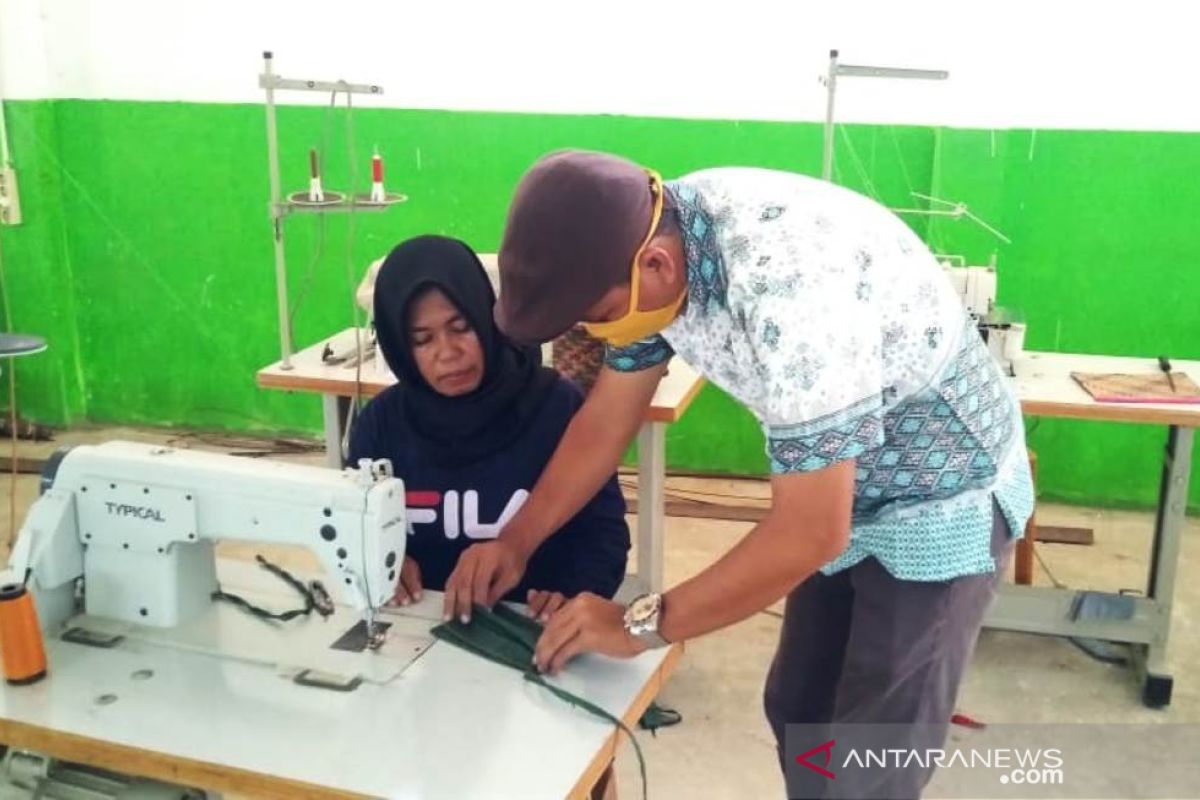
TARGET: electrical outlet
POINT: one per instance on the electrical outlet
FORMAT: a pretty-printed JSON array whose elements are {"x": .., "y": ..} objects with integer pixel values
[{"x": 10, "y": 199}]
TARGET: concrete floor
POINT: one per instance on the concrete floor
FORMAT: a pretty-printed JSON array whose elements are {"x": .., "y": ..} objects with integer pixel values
[{"x": 723, "y": 748}]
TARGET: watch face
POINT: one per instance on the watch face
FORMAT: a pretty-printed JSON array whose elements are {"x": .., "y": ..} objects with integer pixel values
[{"x": 643, "y": 608}]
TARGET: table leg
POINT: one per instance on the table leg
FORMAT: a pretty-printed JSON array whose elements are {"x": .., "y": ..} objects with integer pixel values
[
  {"x": 1169, "y": 522},
  {"x": 652, "y": 469},
  {"x": 606, "y": 787},
  {"x": 334, "y": 409},
  {"x": 1051, "y": 611},
  {"x": 1023, "y": 560}
]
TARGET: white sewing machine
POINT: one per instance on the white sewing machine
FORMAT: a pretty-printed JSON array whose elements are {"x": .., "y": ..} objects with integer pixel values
[
  {"x": 1001, "y": 328},
  {"x": 137, "y": 523}
]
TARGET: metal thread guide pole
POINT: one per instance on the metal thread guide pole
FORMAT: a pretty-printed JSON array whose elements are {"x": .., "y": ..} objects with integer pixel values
[
  {"x": 281, "y": 288},
  {"x": 836, "y": 71},
  {"x": 268, "y": 81}
]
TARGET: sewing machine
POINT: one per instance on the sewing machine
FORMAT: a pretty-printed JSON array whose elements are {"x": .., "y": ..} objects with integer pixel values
[
  {"x": 138, "y": 523},
  {"x": 1002, "y": 328}
]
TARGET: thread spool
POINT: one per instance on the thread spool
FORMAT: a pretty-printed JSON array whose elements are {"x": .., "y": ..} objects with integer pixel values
[{"x": 21, "y": 649}]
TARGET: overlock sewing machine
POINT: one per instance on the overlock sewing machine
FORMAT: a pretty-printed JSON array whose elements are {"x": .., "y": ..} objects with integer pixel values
[{"x": 1002, "y": 328}]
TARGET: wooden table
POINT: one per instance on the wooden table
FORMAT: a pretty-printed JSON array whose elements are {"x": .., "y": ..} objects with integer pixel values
[
  {"x": 451, "y": 726},
  {"x": 1046, "y": 389},
  {"x": 338, "y": 384}
]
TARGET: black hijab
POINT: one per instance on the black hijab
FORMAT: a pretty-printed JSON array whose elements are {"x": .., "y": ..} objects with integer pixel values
[{"x": 464, "y": 429}]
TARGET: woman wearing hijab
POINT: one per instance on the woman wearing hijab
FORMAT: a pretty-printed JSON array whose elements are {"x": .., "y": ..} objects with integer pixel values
[{"x": 469, "y": 427}]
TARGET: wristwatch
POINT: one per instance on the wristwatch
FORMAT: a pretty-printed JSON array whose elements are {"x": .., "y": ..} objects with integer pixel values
[{"x": 642, "y": 617}]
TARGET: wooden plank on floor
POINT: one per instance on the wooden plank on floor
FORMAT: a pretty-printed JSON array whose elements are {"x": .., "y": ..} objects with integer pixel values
[
  {"x": 1063, "y": 534},
  {"x": 25, "y": 466},
  {"x": 698, "y": 510},
  {"x": 749, "y": 512}
]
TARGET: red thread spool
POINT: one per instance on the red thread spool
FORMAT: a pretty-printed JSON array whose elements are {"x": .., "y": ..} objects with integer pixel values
[{"x": 21, "y": 649}]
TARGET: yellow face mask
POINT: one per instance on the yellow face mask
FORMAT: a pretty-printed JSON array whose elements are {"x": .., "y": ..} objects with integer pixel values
[{"x": 635, "y": 324}]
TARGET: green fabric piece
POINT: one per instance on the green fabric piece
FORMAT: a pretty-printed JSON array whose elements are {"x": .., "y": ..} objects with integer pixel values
[
  {"x": 657, "y": 716},
  {"x": 509, "y": 638},
  {"x": 504, "y": 636}
]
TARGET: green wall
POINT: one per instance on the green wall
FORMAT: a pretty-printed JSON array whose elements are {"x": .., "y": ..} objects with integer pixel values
[
  {"x": 41, "y": 288},
  {"x": 146, "y": 254}
]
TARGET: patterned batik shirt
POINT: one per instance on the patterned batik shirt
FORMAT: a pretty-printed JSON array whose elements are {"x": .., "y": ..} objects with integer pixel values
[{"x": 827, "y": 317}]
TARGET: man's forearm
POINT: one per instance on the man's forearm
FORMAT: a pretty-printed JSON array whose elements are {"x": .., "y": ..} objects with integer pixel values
[{"x": 762, "y": 568}]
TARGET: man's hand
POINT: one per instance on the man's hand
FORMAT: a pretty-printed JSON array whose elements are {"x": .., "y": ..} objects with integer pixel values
[
  {"x": 484, "y": 573},
  {"x": 586, "y": 624},
  {"x": 408, "y": 589},
  {"x": 543, "y": 604}
]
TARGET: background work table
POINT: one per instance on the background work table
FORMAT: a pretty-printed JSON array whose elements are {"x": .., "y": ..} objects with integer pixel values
[{"x": 1046, "y": 389}]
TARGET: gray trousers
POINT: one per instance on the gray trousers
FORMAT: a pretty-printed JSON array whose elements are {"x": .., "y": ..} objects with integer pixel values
[{"x": 862, "y": 646}]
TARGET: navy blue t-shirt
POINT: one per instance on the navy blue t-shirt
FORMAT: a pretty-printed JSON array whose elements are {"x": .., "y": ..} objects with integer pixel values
[{"x": 450, "y": 509}]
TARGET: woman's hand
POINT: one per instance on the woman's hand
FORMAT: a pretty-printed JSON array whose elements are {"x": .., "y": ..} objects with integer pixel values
[
  {"x": 543, "y": 604},
  {"x": 408, "y": 588}
]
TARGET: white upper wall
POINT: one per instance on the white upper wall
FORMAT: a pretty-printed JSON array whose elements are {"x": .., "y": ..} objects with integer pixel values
[{"x": 1047, "y": 64}]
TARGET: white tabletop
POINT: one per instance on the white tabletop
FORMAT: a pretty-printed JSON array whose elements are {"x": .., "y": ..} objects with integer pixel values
[
  {"x": 450, "y": 726},
  {"x": 1044, "y": 384}
]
